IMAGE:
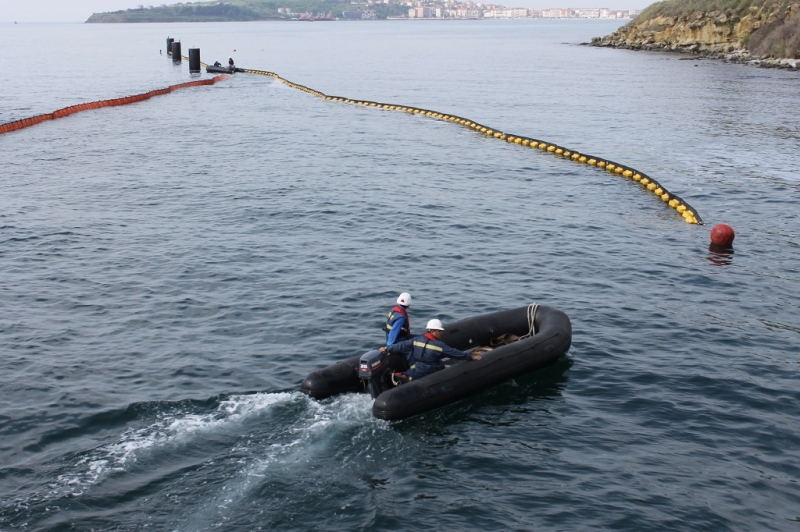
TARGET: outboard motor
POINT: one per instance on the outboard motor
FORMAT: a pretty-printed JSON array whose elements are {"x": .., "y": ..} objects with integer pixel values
[{"x": 372, "y": 369}]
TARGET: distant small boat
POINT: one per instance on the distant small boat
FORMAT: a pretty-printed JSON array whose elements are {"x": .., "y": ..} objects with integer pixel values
[
  {"x": 211, "y": 69},
  {"x": 531, "y": 338}
]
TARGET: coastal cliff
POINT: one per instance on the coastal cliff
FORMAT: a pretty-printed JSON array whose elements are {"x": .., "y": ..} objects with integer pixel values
[{"x": 765, "y": 34}]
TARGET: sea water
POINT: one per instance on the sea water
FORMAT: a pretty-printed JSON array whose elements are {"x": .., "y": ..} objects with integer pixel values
[{"x": 172, "y": 269}]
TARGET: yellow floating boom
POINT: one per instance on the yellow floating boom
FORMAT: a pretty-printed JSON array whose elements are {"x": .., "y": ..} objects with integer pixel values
[{"x": 649, "y": 184}]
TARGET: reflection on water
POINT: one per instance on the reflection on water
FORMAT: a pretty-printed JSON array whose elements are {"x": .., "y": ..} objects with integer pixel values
[{"x": 720, "y": 255}]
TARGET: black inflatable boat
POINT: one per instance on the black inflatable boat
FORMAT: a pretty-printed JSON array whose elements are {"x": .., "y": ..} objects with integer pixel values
[
  {"x": 534, "y": 337},
  {"x": 211, "y": 69}
]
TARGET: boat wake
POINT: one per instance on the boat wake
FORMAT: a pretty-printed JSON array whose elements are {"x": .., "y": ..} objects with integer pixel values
[
  {"x": 172, "y": 428},
  {"x": 238, "y": 439},
  {"x": 338, "y": 431}
]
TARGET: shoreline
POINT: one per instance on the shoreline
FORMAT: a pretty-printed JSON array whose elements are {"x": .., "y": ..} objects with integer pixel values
[{"x": 737, "y": 56}]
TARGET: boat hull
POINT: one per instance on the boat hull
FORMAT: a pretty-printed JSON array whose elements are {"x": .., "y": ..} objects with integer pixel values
[
  {"x": 463, "y": 378},
  {"x": 211, "y": 69}
]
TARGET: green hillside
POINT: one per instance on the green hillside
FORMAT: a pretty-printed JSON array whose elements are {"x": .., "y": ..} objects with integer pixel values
[
  {"x": 673, "y": 8},
  {"x": 243, "y": 10}
]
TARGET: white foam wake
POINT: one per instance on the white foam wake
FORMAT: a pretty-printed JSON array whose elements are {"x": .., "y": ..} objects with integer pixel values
[
  {"x": 295, "y": 451},
  {"x": 170, "y": 429}
]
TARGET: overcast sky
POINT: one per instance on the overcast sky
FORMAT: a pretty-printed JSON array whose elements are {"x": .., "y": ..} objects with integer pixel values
[{"x": 80, "y": 10}]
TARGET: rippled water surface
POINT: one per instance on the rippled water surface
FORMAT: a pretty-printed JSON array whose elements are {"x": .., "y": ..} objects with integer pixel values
[{"x": 172, "y": 269}]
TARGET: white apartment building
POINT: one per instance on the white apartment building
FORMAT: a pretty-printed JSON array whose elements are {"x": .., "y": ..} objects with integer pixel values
[
  {"x": 506, "y": 13},
  {"x": 555, "y": 13},
  {"x": 469, "y": 13},
  {"x": 590, "y": 12}
]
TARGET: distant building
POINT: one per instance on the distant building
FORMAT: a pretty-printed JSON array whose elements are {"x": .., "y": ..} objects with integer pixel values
[
  {"x": 471, "y": 13},
  {"x": 422, "y": 12},
  {"x": 591, "y": 12}
]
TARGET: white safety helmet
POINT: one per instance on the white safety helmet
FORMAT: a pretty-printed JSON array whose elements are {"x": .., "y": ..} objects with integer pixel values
[
  {"x": 404, "y": 299},
  {"x": 434, "y": 325}
]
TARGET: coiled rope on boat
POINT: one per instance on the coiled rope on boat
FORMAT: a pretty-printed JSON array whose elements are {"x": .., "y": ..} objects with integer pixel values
[
  {"x": 510, "y": 338},
  {"x": 532, "y": 308}
]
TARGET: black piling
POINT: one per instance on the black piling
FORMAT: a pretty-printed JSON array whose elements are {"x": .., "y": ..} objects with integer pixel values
[
  {"x": 176, "y": 51},
  {"x": 170, "y": 40},
  {"x": 194, "y": 60}
]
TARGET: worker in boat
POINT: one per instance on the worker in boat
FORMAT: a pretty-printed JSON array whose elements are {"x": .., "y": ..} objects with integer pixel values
[
  {"x": 425, "y": 353},
  {"x": 230, "y": 64},
  {"x": 217, "y": 64},
  {"x": 398, "y": 326},
  {"x": 398, "y": 329}
]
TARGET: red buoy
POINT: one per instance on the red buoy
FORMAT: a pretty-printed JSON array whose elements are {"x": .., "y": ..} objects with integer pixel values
[{"x": 722, "y": 235}]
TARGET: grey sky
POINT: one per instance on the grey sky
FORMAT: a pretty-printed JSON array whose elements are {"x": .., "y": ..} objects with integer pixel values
[{"x": 80, "y": 10}]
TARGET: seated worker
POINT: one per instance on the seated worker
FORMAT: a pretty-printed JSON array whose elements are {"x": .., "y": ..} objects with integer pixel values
[
  {"x": 397, "y": 326},
  {"x": 217, "y": 64},
  {"x": 425, "y": 353}
]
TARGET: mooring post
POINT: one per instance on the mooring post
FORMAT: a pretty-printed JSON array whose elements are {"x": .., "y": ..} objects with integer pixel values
[
  {"x": 170, "y": 40},
  {"x": 176, "y": 51},
  {"x": 194, "y": 60}
]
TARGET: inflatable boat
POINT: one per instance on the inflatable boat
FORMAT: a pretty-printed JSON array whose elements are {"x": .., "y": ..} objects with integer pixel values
[
  {"x": 511, "y": 343},
  {"x": 211, "y": 69}
]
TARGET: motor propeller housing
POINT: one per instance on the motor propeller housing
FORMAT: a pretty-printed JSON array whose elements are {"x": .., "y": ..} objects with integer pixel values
[{"x": 373, "y": 369}]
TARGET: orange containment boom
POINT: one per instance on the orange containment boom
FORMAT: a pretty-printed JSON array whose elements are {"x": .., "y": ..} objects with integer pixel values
[{"x": 66, "y": 111}]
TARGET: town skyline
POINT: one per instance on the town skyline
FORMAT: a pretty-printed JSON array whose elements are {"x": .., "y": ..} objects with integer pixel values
[
  {"x": 479, "y": 10},
  {"x": 451, "y": 9}
]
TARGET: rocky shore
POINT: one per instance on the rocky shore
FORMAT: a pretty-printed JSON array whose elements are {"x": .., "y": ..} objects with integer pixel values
[{"x": 725, "y": 35}]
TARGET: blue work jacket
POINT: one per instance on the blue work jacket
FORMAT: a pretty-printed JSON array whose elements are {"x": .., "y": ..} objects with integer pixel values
[
  {"x": 398, "y": 326},
  {"x": 425, "y": 354}
]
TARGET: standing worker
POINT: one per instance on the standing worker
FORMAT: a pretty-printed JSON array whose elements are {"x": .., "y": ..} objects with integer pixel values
[
  {"x": 397, "y": 326},
  {"x": 231, "y": 65},
  {"x": 425, "y": 353}
]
